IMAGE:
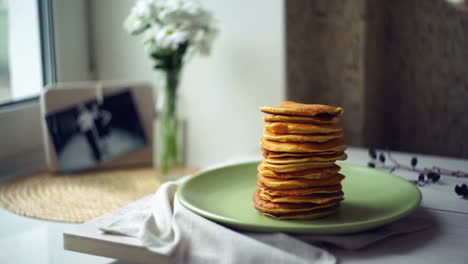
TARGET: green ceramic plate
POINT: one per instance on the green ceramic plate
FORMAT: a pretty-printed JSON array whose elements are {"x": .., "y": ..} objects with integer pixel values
[{"x": 372, "y": 198}]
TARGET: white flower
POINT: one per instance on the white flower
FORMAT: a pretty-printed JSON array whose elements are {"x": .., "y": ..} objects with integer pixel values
[
  {"x": 203, "y": 39},
  {"x": 140, "y": 16},
  {"x": 133, "y": 24},
  {"x": 170, "y": 38},
  {"x": 186, "y": 14},
  {"x": 144, "y": 9},
  {"x": 166, "y": 24}
]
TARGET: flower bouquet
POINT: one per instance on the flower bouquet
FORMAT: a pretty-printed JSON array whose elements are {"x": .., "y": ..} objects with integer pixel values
[{"x": 172, "y": 32}]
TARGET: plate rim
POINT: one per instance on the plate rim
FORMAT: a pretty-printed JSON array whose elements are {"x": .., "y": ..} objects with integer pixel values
[{"x": 338, "y": 228}]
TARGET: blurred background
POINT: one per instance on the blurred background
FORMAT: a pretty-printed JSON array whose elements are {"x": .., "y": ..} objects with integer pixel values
[{"x": 398, "y": 68}]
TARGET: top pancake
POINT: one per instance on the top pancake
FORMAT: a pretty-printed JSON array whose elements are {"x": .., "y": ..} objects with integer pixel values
[
  {"x": 302, "y": 119},
  {"x": 293, "y": 108}
]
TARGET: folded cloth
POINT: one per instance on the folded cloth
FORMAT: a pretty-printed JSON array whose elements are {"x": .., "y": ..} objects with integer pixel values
[{"x": 166, "y": 227}]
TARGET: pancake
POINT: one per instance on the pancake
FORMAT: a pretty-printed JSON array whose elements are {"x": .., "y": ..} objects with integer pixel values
[
  {"x": 302, "y": 119},
  {"x": 290, "y": 160},
  {"x": 322, "y": 198},
  {"x": 336, "y": 145},
  {"x": 288, "y": 184},
  {"x": 293, "y": 108},
  {"x": 281, "y": 208},
  {"x": 298, "y": 128},
  {"x": 297, "y": 167},
  {"x": 268, "y": 134},
  {"x": 304, "y": 191},
  {"x": 274, "y": 154},
  {"x": 316, "y": 173},
  {"x": 308, "y": 215}
]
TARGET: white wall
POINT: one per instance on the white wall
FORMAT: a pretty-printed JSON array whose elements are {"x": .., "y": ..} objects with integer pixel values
[
  {"x": 71, "y": 41},
  {"x": 219, "y": 95}
]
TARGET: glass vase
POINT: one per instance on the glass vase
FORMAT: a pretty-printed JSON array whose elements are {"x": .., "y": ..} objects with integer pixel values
[{"x": 170, "y": 131}]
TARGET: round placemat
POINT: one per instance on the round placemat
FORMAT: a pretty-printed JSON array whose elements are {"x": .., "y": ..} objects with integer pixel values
[{"x": 76, "y": 198}]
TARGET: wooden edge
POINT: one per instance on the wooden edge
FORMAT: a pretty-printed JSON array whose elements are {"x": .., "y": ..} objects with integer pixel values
[
  {"x": 110, "y": 249},
  {"x": 87, "y": 238}
]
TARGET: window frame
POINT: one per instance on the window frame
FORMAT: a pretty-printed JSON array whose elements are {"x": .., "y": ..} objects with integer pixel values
[
  {"x": 20, "y": 120},
  {"x": 65, "y": 30}
]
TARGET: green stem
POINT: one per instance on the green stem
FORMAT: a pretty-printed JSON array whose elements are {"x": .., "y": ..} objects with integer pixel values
[
  {"x": 169, "y": 124},
  {"x": 172, "y": 82}
]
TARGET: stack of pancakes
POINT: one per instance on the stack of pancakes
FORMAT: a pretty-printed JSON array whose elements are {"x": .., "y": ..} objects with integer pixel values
[{"x": 298, "y": 178}]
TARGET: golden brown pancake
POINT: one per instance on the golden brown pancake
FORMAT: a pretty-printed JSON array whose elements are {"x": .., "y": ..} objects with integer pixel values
[
  {"x": 268, "y": 134},
  {"x": 322, "y": 198},
  {"x": 302, "y": 119},
  {"x": 293, "y": 108},
  {"x": 336, "y": 145},
  {"x": 297, "y": 167},
  {"x": 290, "y": 160},
  {"x": 273, "y": 154},
  {"x": 304, "y": 191},
  {"x": 281, "y": 208},
  {"x": 298, "y": 128},
  {"x": 316, "y": 173},
  {"x": 307, "y": 215},
  {"x": 287, "y": 184}
]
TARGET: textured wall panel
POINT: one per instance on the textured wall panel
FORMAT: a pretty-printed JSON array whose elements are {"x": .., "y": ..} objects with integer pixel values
[
  {"x": 426, "y": 77},
  {"x": 325, "y": 44},
  {"x": 399, "y": 68}
]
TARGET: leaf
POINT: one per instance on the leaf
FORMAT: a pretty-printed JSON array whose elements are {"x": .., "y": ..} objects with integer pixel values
[
  {"x": 156, "y": 56},
  {"x": 137, "y": 32}
]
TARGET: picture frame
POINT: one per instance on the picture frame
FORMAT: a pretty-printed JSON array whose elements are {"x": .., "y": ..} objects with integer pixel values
[{"x": 126, "y": 108}]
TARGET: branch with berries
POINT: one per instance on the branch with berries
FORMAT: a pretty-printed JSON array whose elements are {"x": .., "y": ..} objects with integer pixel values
[{"x": 425, "y": 175}]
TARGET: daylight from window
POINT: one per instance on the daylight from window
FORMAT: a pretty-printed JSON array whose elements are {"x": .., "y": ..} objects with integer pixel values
[
  {"x": 20, "y": 50},
  {"x": 4, "y": 65}
]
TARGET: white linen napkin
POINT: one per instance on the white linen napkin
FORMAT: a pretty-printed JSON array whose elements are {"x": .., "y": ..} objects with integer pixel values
[{"x": 166, "y": 227}]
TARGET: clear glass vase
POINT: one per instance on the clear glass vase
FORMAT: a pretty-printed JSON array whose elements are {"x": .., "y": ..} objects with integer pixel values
[{"x": 170, "y": 131}]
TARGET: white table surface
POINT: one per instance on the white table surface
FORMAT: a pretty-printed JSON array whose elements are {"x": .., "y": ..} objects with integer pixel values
[{"x": 28, "y": 240}]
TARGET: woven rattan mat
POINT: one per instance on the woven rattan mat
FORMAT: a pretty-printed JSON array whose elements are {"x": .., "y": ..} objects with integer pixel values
[{"x": 77, "y": 198}]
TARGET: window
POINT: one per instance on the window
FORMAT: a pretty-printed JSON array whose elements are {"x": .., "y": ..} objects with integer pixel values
[
  {"x": 4, "y": 67},
  {"x": 24, "y": 69},
  {"x": 45, "y": 41},
  {"x": 20, "y": 50}
]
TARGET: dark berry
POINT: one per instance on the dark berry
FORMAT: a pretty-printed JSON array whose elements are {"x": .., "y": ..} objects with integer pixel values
[
  {"x": 414, "y": 161},
  {"x": 372, "y": 153},
  {"x": 371, "y": 164},
  {"x": 464, "y": 189},
  {"x": 434, "y": 176},
  {"x": 382, "y": 158},
  {"x": 421, "y": 177}
]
